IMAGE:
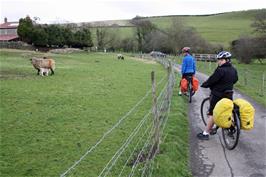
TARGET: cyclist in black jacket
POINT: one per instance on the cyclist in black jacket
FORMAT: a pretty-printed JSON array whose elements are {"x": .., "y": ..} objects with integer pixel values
[{"x": 222, "y": 80}]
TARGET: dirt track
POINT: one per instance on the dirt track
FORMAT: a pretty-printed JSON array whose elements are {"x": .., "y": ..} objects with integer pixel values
[{"x": 211, "y": 158}]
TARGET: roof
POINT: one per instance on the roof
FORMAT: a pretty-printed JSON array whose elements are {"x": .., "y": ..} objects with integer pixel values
[
  {"x": 9, "y": 25},
  {"x": 8, "y": 37}
]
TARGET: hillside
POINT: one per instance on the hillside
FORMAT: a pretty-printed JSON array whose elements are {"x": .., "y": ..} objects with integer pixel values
[{"x": 216, "y": 28}]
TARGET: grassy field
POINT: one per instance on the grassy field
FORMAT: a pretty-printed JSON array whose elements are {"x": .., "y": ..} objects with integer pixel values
[
  {"x": 48, "y": 123},
  {"x": 250, "y": 78},
  {"x": 219, "y": 28}
]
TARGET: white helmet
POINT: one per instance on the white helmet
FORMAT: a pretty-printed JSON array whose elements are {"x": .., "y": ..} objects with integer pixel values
[{"x": 224, "y": 55}]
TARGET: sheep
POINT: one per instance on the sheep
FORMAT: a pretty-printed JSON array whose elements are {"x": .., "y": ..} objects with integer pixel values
[
  {"x": 44, "y": 71},
  {"x": 120, "y": 56},
  {"x": 43, "y": 65}
]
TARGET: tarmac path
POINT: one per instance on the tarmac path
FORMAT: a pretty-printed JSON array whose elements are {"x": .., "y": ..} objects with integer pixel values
[{"x": 211, "y": 158}]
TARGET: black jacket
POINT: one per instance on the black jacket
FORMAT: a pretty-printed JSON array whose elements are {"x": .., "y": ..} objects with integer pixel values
[{"x": 223, "y": 78}]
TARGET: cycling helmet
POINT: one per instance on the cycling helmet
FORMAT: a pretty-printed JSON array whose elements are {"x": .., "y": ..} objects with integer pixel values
[
  {"x": 186, "y": 49},
  {"x": 224, "y": 55}
]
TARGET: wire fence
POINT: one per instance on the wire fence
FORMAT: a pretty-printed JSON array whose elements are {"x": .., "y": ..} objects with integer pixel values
[
  {"x": 248, "y": 78},
  {"x": 135, "y": 156}
]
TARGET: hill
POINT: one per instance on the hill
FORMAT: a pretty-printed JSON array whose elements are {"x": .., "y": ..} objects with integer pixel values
[{"x": 216, "y": 28}]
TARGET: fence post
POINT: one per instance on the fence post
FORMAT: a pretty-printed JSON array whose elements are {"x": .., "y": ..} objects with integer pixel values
[
  {"x": 156, "y": 135},
  {"x": 263, "y": 83},
  {"x": 169, "y": 69},
  {"x": 245, "y": 78}
]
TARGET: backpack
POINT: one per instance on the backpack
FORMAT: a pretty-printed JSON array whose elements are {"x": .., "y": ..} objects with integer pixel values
[
  {"x": 222, "y": 113},
  {"x": 195, "y": 83},
  {"x": 183, "y": 84},
  {"x": 247, "y": 113}
]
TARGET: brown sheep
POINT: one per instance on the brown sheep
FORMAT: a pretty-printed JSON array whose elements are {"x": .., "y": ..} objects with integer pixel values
[{"x": 42, "y": 63}]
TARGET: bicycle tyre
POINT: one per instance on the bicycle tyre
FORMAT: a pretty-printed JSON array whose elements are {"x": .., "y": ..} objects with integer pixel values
[
  {"x": 204, "y": 109},
  {"x": 231, "y": 135},
  {"x": 189, "y": 92}
]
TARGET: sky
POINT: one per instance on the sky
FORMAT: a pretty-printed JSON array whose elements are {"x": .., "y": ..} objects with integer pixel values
[{"x": 60, "y": 11}]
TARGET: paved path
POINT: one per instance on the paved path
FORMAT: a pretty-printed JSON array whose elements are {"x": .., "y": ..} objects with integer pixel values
[{"x": 211, "y": 158}]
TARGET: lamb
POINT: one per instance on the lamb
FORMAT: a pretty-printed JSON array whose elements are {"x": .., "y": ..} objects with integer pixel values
[
  {"x": 44, "y": 71},
  {"x": 43, "y": 65}
]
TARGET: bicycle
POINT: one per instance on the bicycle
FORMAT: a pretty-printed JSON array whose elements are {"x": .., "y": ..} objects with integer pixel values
[
  {"x": 230, "y": 135},
  {"x": 190, "y": 91}
]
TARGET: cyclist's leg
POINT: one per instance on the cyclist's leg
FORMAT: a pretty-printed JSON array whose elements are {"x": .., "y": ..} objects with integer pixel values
[{"x": 210, "y": 123}]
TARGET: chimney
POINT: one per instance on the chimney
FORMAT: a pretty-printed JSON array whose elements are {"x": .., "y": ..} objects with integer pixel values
[{"x": 5, "y": 20}]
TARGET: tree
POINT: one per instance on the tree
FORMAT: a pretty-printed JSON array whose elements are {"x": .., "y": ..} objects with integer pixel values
[
  {"x": 25, "y": 29},
  {"x": 241, "y": 49},
  {"x": 143, "y": 28},
  {"x": 39, "y": 36},
  {"x": 55, "y": 35},
  {"x": 259, "y": 23},
  {"x": 101, "y": 37},
  {"x": 128, "y": 45},
  {"x": 68, "y": 35},
  {"x": 82, "y": 38},
  {"x": 179, "y": 36}
]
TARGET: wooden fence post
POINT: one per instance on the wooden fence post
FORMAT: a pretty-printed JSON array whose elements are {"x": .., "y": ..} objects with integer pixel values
[
  {"x": 245, "y": 78},
  {"x": 263, "y": 83},
  {"x": 169, "y": 69},
  {"x": 156, "y": 135}
]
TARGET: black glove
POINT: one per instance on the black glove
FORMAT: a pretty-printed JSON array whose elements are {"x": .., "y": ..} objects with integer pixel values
[{"x": 204, "y": 85}]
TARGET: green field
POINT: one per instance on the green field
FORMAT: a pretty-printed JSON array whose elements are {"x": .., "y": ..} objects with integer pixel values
[
  {"x": 217, "y": 28},
  {"x": 220, "y": 28},
  {"x": 48, "y": 123}
]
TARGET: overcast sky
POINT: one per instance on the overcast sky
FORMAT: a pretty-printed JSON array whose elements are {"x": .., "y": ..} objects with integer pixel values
[{"x": 51, "y": 11}]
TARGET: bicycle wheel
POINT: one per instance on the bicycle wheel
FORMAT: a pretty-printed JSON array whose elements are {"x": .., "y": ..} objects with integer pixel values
[
  {"x": 204, "y": 110},
  {"x": 189, "y": 92},
  {"x": 231, "y": 135}
]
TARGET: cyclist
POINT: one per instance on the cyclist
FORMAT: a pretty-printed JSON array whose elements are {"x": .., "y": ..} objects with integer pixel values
[
  {"x": 223, "y": 79},
  {"x": 188, "y": 65}
]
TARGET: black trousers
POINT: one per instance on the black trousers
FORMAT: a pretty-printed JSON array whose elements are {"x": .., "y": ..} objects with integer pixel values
[{"x": 214, "y": 99}]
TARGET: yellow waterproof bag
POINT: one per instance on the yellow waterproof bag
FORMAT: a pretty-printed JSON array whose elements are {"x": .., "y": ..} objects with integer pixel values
[
  {"x": 222, "y": 113},
  {"x": 247, "y": 113}
]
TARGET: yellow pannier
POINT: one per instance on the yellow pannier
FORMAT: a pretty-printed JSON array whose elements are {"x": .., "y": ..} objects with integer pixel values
[
  {"x": 247, "y": 113},
  {"x": 222, "y": 113}
]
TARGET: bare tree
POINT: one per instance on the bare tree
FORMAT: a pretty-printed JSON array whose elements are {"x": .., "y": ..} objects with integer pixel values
[
  {"x": 143, "y": 28},
  {"x": 259, "y": 23}
]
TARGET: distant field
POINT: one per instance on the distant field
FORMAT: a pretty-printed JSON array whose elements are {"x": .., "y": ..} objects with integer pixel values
[
  {"x": 220, "y": 28},
  {"x": 48, "y": 123},
  {"x": 121, "y": 33}
]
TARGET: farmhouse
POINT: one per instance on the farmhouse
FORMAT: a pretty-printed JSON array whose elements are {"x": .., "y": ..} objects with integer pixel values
[{"x": 8, "y": 31}]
